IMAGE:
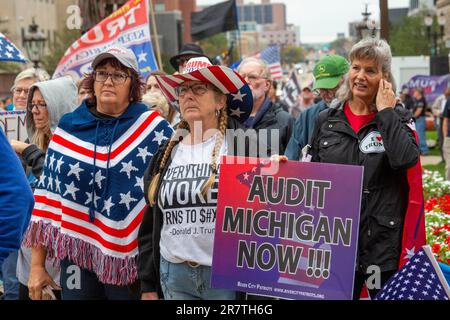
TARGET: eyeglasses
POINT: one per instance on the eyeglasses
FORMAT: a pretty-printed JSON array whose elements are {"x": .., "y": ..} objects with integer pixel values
[
  {"x": 116, "y": 77},
  {"x": 252, "y": 77},
  {"x": 19, "y": 91},
  {"x": 39, "y": 106},
  {"x": 197, "y": 89}
]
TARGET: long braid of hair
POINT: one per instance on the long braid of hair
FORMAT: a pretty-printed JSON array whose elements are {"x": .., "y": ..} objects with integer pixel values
[
  {"x": 152, "y": 196},
  {"x": 223, "y": 121}
]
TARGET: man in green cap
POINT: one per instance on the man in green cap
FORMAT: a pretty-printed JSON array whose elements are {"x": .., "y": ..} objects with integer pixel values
[{"x": 329, "y": 75}]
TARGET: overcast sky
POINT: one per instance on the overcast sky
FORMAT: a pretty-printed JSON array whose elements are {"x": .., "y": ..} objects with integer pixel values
[{"x": 321, "y": 20}]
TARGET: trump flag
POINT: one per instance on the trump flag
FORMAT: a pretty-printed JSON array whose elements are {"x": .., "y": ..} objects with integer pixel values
[{"x": 128, "y": 27}]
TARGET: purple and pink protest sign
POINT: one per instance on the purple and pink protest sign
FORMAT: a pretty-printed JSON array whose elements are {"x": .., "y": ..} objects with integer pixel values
[{"x": 292, "y": 234}]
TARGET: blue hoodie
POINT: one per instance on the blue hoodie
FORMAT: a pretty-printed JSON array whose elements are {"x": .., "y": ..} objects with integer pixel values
[{"x": 16, "y": 200}]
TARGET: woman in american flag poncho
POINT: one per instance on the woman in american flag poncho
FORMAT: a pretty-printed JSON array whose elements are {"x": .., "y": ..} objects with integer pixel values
[{"x": 90, "y": 201}]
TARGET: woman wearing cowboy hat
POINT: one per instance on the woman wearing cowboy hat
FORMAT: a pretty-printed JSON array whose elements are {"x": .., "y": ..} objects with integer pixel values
[{"x": 176, "y": 237}]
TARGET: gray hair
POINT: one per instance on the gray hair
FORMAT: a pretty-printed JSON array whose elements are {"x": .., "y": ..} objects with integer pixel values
[
  {"x": 369, "y": 49},
  {"x": 262, "y": 63},
  {"x": 38, "y": 75}
]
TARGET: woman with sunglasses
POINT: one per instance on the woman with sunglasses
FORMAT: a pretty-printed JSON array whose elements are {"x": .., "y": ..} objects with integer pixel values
[
  {"x": 90, "y": 200},
  {"x": 47, "y": 102},
  {"x": 181, "y": 184}
]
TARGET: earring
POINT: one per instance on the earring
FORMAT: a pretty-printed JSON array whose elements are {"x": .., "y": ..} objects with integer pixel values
[{"x": 217, "y": 113}]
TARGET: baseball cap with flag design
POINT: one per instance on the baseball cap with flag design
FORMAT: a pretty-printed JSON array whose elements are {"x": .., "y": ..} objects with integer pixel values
[
  {"x": 329, "y": 71},
  {"x": 229, "y": 82}
]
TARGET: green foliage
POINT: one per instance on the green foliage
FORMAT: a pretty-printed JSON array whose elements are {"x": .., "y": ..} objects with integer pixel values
[
  {"x": 409, "y": 38},
  {"x": 167, "y": 67},
  {"x": 215, "y": 45},
  {"x": 341, "y": 46},
  {"x": 13, "y": 67},
  {"x": 292, "y": 54},
  {"x": 57, "y": 49}
]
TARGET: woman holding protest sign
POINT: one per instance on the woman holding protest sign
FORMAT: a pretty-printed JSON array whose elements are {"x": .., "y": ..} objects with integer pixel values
[
  {"x": 177, "y": 232},
  {"x": 90, "y": 199},
  {"x": 369, "y": 129},
  {"x": 47, "y": 102}
]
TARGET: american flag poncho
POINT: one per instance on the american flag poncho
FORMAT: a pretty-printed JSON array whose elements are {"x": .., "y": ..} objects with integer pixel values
[{"x": 90, "y": 199}]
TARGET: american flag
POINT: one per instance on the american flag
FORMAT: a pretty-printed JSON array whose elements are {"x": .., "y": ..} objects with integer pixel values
[
  {"x": 420, "y": 279},
  {"x": 8, "y": 51},
  {"x": 272, "y": 56}
]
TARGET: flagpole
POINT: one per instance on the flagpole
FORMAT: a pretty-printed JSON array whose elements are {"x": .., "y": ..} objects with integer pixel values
[
  {"x": 238, "y": 31},
  {"x": 155, "y": 35}
]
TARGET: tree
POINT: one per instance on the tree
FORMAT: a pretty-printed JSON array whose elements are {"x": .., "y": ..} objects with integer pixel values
[
  {"x": 341, "y": 46},
  {"x": 409, "y": 38},
  {"x": 63, "y": 41},
  {"x": 218, "y": 45},
  {"x": 291, "y": 54}
]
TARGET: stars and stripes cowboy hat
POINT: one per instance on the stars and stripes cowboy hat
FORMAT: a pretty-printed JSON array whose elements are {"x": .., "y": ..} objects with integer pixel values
[{"x": 229, "y": 82}]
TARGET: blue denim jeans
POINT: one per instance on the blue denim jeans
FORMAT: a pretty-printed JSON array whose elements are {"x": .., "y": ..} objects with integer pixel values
[
  {"x": 88, "y": 287},
  {"x": 421, "y": 128},
  {"x": 180, "y": 281},
  {"x": 9, "y": 277}
]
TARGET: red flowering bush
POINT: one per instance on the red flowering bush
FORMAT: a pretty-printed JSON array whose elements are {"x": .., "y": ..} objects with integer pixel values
[{"x": 437, "y": 215}]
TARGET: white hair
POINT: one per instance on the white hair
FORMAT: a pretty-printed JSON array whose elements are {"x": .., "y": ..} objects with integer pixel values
[
  {"x": 37, "y": 75},
  {"x": 262, "y": 63}
]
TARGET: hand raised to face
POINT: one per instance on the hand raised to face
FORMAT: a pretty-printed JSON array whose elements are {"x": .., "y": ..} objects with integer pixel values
[{"x": 385, "y": 96}]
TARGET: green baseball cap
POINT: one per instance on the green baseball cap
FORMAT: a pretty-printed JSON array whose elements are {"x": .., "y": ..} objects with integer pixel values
[{"x": 329, "y": 71}]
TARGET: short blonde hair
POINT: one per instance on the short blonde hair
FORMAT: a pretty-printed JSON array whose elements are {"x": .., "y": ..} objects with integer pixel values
[{"x": 38, "y": 75}]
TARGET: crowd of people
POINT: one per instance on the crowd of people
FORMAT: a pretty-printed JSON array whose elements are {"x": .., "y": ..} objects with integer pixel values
[{"x": 104, "y": 155}]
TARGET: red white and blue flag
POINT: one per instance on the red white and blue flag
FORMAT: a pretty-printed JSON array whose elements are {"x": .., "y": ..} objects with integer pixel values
[
  {"x": 9, "y": 52},
  {"x": 419, "y": 279},
  {"x": 128, "y": 27},
  {"x": 272, "y": 56}
]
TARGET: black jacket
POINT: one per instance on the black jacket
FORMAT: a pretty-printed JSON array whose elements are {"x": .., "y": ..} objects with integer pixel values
[
  {"x": 33, "y": 160},
  {"x": 152, "y": 222},
  {"x": 385, "y": 186},
  {"x": 276, "y": 118}
]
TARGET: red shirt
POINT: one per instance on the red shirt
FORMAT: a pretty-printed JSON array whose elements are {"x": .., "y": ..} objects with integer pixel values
[{"x": 357, "y": 121}]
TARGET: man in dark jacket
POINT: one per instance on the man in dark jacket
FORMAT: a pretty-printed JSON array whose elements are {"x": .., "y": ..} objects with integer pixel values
[
  {"x": 266, "y": 118},
  {"x": 329, "y": 75}
]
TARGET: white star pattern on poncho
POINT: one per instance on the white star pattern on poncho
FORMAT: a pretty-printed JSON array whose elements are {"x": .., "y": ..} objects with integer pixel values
[
  {"x": 42, "y": 180},
  {"x": 128, "y": 167},
  {"x": 107, "y": 205},
  {"x": 75, "y": 170},
  {"x": 89, "y": 199},
  {"x": 126, "y": 199},
  {"x": 59, "y": 163},
  {"x": 50, "y": 183},
  {"x": 71, "y": 189},
  {"x": 51, "y": 161},
  {"x": 159, "y": 137},
  {"x": 98, "y": 179},
  {"x": 57, "y": 185},
  {"x": 140, "y": 183},
  {"x": 143, "y": 153}
]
